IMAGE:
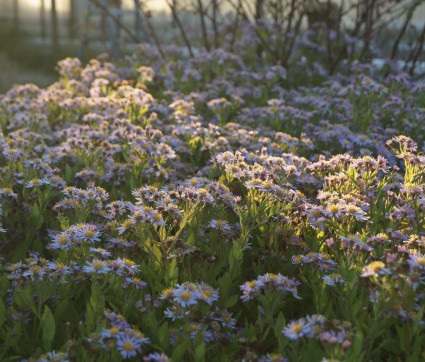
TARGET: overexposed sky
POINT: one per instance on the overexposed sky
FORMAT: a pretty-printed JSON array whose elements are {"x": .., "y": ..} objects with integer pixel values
[
  {"x": 62, "y": 6},
  {"x": 32, "y": 7}
]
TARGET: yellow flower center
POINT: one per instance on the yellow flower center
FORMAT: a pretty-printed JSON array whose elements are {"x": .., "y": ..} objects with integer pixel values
[
  {"x": 128, "y": 346},
  {"x": 332, "y": 208},
  {"x": 267, "y": 185},
  {"x": 421, "y": 260},
  {"x": 167, "y": 292},
  {"x": 89, "y": 233},
  {"x": 127, "y": 223},
  {"x": 128, "y": 262},
  {"x": 185, "y": 296},
  {"x": 376, "y": 266},
  {"x": 98, "y": 265},
  {"x": 297, "y": 328},
  {"x": 114, "y": 330}
]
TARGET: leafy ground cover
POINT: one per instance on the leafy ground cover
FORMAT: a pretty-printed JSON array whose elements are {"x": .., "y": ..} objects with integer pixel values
[{"x": 213, "y": 208}]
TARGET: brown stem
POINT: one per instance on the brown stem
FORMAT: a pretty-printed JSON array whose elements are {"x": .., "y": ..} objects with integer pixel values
[
  {"x": 235, "y": 26},
  {"x": 116, "y": 20},
  {"x": 214, "y": 22},
  {"x": 203, "y": 27},
  {"x": 262, "y": 40},
  {"x": 418, "y": 49},
  {"x": 152, "y": 32},
  {"x": 179, "y": 24}
]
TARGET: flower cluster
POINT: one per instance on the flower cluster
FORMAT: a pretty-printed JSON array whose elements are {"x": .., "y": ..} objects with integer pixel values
[
  {"x": 321, "y": 328},
  {"x": 269, "y": 282},
  {"x": 192, "y": 195}
]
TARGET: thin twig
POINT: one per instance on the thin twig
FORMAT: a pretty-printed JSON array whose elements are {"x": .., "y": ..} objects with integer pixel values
[
  {"x": 179, "y": 24},
  {"x": 114, "y": 18},
  {"x": 203, "y": 27},
  {"x": 418, "y": 49},
  {"x": 152, "y": 32}
]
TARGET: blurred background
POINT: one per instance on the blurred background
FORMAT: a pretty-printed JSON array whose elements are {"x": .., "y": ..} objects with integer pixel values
[{"x": 35, "y": 34}]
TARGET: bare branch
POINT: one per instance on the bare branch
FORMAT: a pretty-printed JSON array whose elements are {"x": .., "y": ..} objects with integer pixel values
[{"x": 179, "y": 24}]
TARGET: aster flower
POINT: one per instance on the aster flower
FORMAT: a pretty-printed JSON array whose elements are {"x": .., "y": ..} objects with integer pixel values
[
  {"x": 333, "y": 279},
  {"x": 102, "y": 252},
  {"x": 127, "y": 266},
  {"x": 297, "y": 329},
  {"x": 357, "y": 212},
  {"x": 128, "y": 345},
  {"x": 60, "y": 241},
  {"x": 127, "y": 224},
  {"x": 416, "y": 261},
  {"x": 138, "y": 283},
  {"x": 112, "y": 332},
  {"x": 167, "y": 293},
  {"x": 208, "y": 294},
  {"x": 54, "y": 356},
  {"x": 273, "y": 357},
  {"x": 88, "y": 233},
  {"x": 250, "y": 290},
  {"x": 59, "y": 268},
  {"x": 197, "y": 328},
  {"x": 221, "y": 225},
  {"x": 36, "y": 182},
  {"x": 156, "y": 219},
  {"x": 157, "y": 357},
  {"x": 185, "y": 296},
  {"x": 96, "y": 266},
  {"x": 374, "y": 269},
  {"x": 176, "y": 313}
]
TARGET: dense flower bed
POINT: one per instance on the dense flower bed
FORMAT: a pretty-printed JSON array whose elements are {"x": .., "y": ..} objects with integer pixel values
[{"x": 192, "y": 209}]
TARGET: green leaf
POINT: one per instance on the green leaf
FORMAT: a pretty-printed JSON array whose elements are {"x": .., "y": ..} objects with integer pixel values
[
  {"x": 35, "y": 212},
  {"x": 2, "y": 312},
  {"x": 68, "y": 173},
  {"x": 4, "y": 286},
  {"x": 279, "y": 324},
  {"x": 179, "y": 352},
  {"x": 61, "y": 310},
  {"x": 48, "y": 326},
  {"x": 225, "y": 283},
  {"x": 358, "y": 343},
  {"x": 89, "y": 317},
  {"x": 164, "y": 335},
  {"x": 231, "y": 301},
  {"x": 200, "y": 352},
  {"x": 172, "y": 272}
]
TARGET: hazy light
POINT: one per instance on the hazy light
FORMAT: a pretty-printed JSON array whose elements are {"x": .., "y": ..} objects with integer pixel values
[{"x": 62, "y": 6}]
